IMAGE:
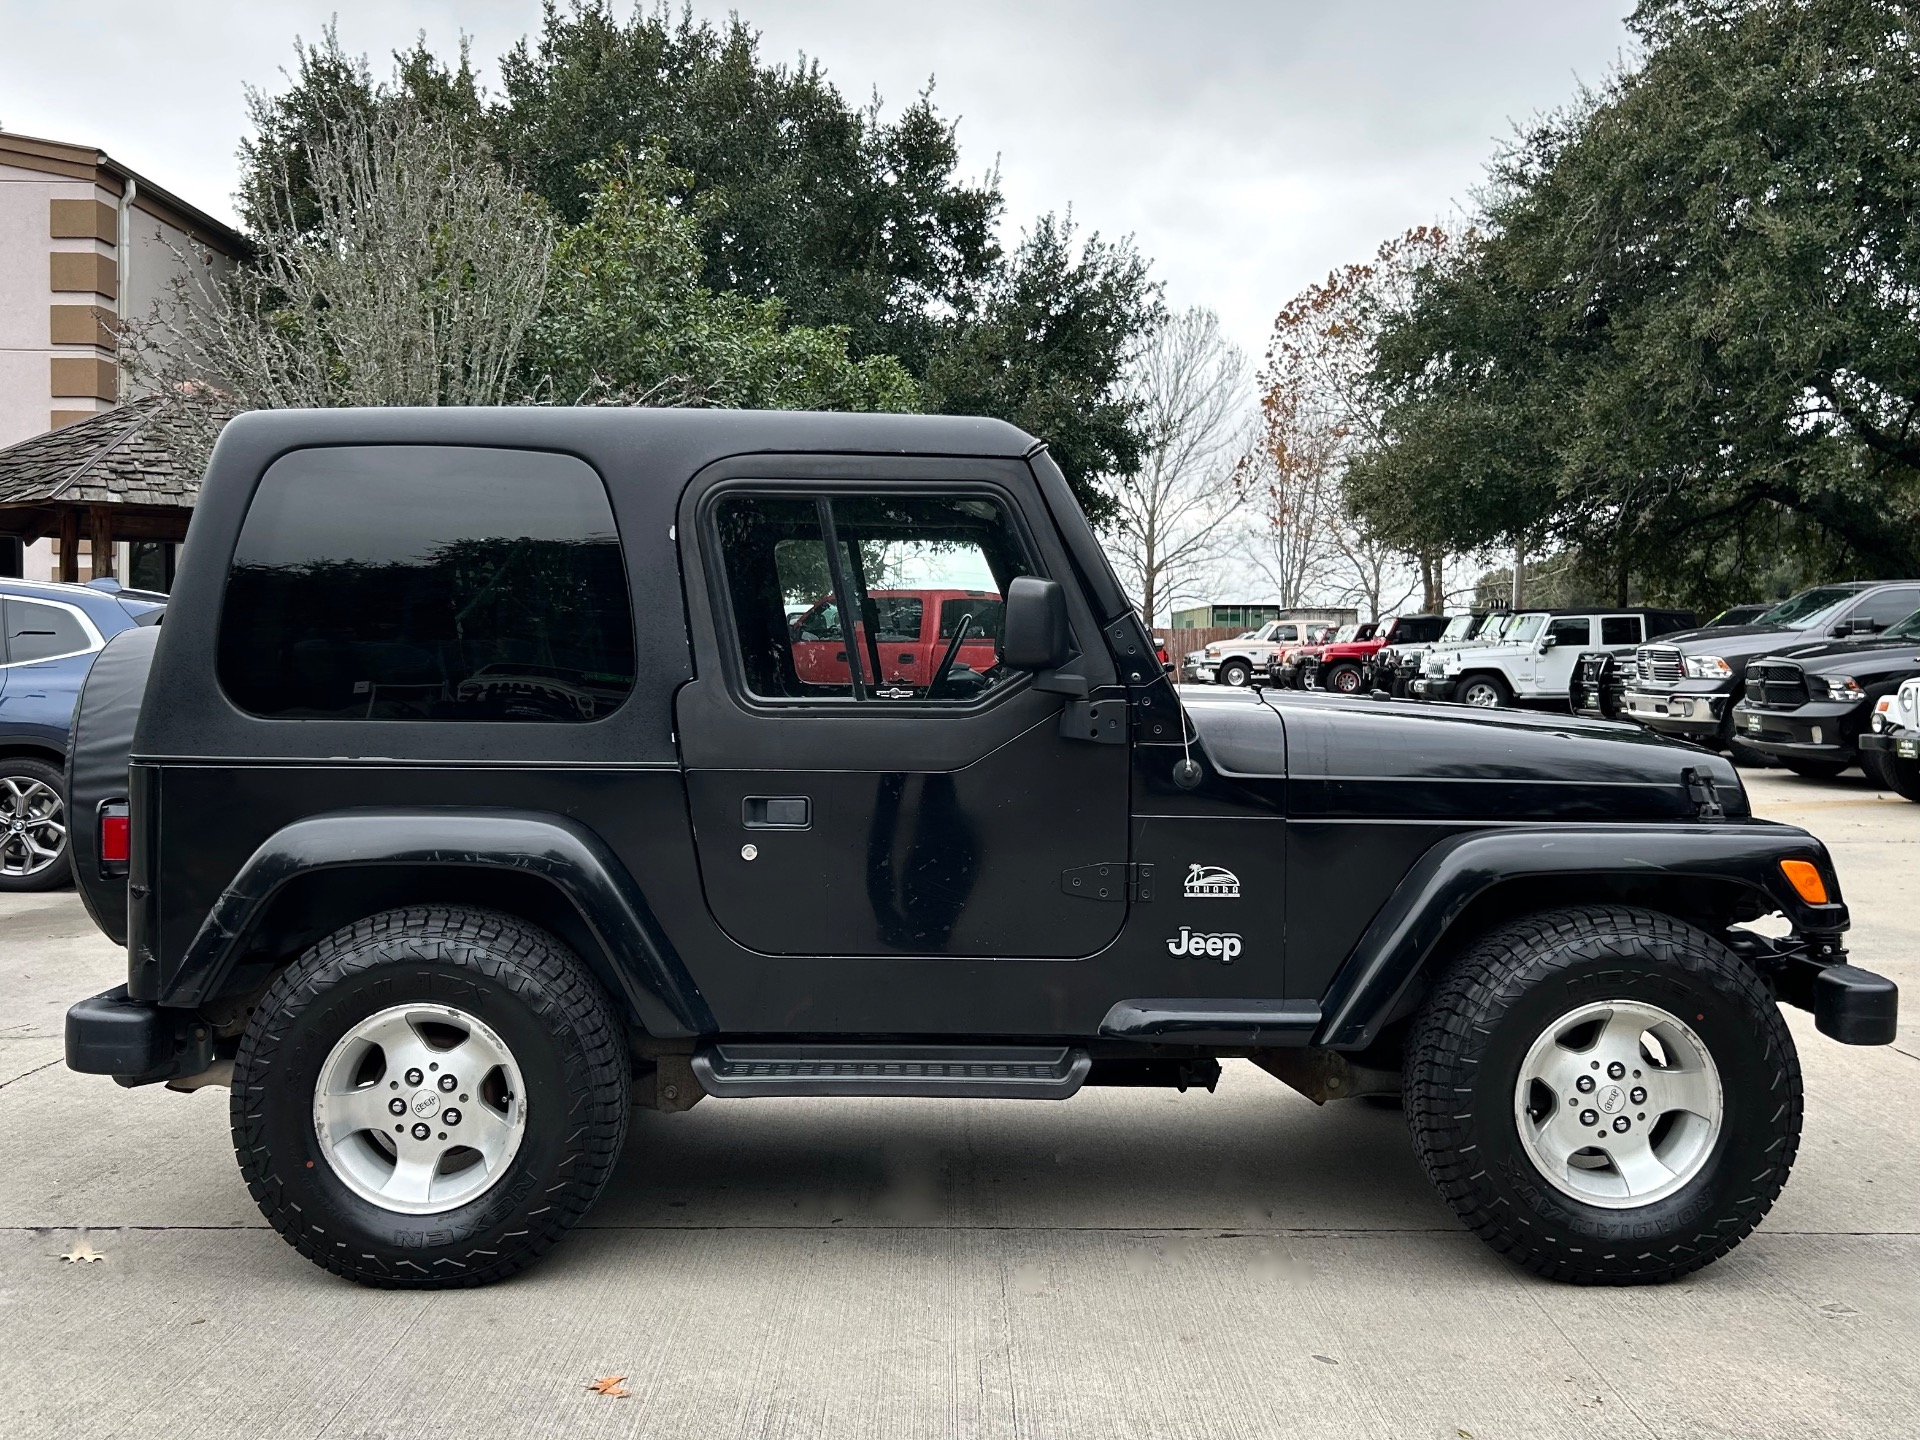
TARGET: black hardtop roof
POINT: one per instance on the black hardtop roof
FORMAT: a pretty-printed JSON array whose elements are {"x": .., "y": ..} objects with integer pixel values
[{"x": 697, "y": 436}]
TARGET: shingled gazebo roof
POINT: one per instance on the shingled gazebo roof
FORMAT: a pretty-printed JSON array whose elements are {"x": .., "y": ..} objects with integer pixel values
[
  {"x": 111, "y": 477},
  {"x": 113, "y": 458}
]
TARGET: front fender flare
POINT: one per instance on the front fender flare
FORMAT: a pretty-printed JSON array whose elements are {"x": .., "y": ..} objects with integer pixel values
[
  {"x": 638, "y": 963},
  {"x": 1391, "y": 956}
]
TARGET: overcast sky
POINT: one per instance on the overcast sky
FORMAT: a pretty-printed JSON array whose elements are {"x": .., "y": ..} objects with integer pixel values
[{"x": 1248, "y": 145}]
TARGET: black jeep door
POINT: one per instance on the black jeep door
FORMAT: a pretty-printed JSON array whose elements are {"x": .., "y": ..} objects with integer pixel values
[{"x": 845, "y": 803}]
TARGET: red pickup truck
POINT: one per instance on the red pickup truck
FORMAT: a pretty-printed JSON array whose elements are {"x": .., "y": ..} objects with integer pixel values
[{"x": 911, "y": 633}]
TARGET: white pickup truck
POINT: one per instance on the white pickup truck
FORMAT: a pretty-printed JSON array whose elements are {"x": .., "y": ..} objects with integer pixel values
[{"x": 1235, "y": 662}]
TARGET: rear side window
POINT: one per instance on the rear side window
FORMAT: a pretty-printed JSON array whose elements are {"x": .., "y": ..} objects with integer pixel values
[
  {"x": 428, "y": 583},
  {"x": 1887, "y": 607},
  {"x": 1619, "y": 629},
  {"x": 41, "y": 632}
]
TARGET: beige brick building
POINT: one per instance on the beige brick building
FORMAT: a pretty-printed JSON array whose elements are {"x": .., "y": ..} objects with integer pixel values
[{"x": 85, "y": 244}]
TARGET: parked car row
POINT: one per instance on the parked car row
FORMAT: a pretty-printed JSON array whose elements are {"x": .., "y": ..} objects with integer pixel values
[{"x": 49, "y": 636}]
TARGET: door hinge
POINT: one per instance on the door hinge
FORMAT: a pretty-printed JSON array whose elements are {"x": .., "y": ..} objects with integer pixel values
[
  {"x": 1104, "y": 722},
  {"x": 1117, "y": 881}
]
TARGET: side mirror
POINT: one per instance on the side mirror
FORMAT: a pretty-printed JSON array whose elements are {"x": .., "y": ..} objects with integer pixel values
[
  {"x": 1548, "y": 643},
  {"x": 1036, "y": 635}
]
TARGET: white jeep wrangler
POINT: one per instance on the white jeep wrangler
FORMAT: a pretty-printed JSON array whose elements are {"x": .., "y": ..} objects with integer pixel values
[{"x": 1532, "y": 661}]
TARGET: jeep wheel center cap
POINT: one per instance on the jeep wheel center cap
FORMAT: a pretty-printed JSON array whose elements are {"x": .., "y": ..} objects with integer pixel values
[{"x": 426, "y": 1102}]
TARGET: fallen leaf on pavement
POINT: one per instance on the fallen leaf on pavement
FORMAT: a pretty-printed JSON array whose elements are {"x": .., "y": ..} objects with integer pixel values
[
  {"x": 610, "y": 1385},
  {"x": 82, "y": 1250}
]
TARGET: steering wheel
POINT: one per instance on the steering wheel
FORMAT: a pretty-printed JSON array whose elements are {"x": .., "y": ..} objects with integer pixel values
[{"x": 946, "y": 660}]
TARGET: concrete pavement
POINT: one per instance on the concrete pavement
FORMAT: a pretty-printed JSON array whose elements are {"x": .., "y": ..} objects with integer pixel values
[{"x": 1134, "y": 1263}]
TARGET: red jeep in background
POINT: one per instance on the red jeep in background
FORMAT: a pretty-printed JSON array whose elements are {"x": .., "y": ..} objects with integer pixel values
[
  {"x": 1343, "y": 664},
  {"x": 912, "y": 631},
  {"x": 1289, "y": 666}
]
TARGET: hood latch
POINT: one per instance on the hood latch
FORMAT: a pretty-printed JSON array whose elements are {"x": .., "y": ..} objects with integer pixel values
[{"x": 1704, "y": 797}]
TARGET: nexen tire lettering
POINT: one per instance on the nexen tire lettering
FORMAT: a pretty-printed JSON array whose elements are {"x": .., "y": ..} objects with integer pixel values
[{"x": 1225, "y": 948}]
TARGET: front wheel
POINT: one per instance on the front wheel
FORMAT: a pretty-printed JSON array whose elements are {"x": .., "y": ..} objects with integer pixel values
[
  {"x": 1892, "y": 773},
  {"x": 1485, "y": 692},
  {"x": 1236, "y": 673},
  {"x": 430, "y": 1098},
  {"x": 1606, "y": 1095},
  {"x": 1344, "y": 679}
]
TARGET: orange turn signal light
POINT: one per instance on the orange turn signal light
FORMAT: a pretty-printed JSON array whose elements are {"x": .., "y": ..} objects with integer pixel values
[{"x": 1804, "y": 876}]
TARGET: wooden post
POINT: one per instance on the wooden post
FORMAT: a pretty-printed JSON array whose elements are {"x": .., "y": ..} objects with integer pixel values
[
  {"x": 102, "y": 537},
  {"x": 70, "y": 545}
]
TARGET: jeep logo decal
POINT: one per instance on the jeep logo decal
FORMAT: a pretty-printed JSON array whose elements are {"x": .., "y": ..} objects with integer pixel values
[
  {"x": 1225, "y": 948},
  {"x": 1211, "y": 882}
]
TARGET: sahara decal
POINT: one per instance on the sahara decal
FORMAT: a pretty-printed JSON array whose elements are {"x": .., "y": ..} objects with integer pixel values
[
  {"x": 1226, "y": 948},
  {"x": 1211, "y": 882}
]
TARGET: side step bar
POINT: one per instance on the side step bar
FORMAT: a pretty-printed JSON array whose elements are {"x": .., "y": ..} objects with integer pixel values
[{"x": 973, "y": 1072}]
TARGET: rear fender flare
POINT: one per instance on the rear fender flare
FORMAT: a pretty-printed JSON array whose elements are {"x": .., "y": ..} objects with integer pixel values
[
  {"x": 1394, "y": 953},
  {"x": 637, "y": 963}
]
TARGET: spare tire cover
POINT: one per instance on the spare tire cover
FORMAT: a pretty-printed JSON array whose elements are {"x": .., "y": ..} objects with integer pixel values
[{"x": 97, "y": 753}]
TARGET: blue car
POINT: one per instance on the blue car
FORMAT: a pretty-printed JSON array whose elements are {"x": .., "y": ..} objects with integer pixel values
[{"x": 52, "y": 633}]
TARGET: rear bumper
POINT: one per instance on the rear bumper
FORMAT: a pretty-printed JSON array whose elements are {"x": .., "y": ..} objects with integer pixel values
[{"x": 136, "y": 1041}]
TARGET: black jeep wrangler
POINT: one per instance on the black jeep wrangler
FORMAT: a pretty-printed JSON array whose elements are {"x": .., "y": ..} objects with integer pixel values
[{"x": 498, "y": 771}]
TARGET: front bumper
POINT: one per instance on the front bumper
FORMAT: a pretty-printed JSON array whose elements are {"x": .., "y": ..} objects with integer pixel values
[
  {"x": 1431, "y": 687},
  {"x": 1693, "y": 714},
  {"x": 136, "y": 1041},
  {"x": 1851, "y": 1005},
  {"x": 1815, "y": 731},
  {"x": 1900, "y": 746}
]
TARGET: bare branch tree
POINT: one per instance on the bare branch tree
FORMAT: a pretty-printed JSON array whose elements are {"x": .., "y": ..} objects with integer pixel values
[
  {"x": 1168, "y": 529},
  {"x": 1289, "y": 482},
  {"x": 415, "y": 286}
]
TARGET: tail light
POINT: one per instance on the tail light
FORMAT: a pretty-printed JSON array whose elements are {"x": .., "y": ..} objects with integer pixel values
[{"x": 116, "y": 837}]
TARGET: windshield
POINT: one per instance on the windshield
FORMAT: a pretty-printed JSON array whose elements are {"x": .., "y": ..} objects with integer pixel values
[
  {"x": 1523, "y": 628},
  {"x": 1907, "y": 629},
  {"x": 1345, "y": 633},
  {"x": 1458, "y": 628},
  {"x": 1800, "y": 612}
]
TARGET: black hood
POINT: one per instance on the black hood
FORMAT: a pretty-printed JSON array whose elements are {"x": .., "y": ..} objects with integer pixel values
[
  {"x": 1349, "y": 756},
  {"x": 1739, "y": 642},
  {"x": 1876, "y": 655}
]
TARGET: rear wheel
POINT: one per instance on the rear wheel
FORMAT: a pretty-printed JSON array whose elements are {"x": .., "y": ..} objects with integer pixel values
[
  {"x": 430, "y": 1098},
  {"x": 1236, "y": 673},
  {"x": 1485, "y": 692},
  {"x": 34, "y": 854},
  {"x": 1344, "y": 679},
  {"x": 1817, "y": 769},
  {"x": 1606, "y": 1095}
]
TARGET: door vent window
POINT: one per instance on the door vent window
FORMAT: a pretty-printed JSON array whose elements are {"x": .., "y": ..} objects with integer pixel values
[
  {"x": 428, "y": 583},
  {"x": 922, "y": 577}
]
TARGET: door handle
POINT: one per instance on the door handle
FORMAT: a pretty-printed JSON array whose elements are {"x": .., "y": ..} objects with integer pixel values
[{"x": 777, "y": 812}]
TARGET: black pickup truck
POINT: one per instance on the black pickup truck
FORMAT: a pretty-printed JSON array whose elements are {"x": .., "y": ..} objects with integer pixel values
[{"x": 483, "y": 784}]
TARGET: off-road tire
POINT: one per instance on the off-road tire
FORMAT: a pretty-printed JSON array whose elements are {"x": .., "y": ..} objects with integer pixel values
[
  {"x": 1890, "y": 772},
  {"x": 1342, "y": 679},
  {"x": 563, "y": 1035},
  {"x": 1817, "y": 769},
  {"x": 56, "y": 873},
  {"x": 1235, "y": 674},
  {"x": 1463, "y": 1064},
  {"x": 1503, "y": 692}
]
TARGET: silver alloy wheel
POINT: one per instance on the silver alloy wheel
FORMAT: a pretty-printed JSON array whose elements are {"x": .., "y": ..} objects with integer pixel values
[
  {"x": 420, "y": 1108},
  {"x": 1482, "y": 693},
  {"x": 33, "y": 825},
  {"x": 1618, "y": 1104},
  {"x": 1234, "y": 675}
]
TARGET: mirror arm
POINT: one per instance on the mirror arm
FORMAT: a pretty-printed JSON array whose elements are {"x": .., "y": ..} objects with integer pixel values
[{"x": 1052, "y": 682}]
